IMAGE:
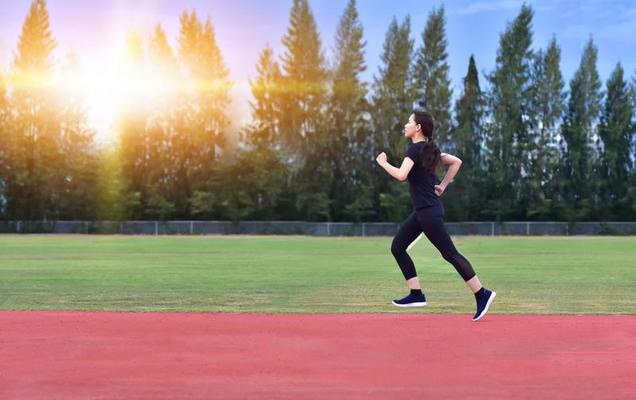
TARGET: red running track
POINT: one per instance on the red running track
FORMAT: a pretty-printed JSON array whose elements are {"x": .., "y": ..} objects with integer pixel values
[{"x": 85, "y": 355}]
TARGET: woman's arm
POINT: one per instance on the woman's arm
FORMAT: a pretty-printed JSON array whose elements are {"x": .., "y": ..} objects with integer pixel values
[
  {"x": 453, "y": 167},
  {"x": 398, "y": 173}
]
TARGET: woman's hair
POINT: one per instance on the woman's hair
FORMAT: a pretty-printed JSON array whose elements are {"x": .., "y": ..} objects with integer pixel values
[{"x": 430, "y": 154}]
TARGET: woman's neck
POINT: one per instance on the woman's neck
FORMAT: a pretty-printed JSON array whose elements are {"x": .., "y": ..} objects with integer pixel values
[{"x": 417, "y": 139}]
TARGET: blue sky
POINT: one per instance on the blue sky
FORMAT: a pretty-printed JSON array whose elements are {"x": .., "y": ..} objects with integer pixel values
[{"x": 243, "y": 27}]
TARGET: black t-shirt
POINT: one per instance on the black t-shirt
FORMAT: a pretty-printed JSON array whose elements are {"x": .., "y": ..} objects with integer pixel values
[{"x": 421, "y": 182}]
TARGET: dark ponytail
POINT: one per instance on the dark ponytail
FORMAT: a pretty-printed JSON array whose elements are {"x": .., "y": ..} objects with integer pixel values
[{"x": 430, "y": 154}]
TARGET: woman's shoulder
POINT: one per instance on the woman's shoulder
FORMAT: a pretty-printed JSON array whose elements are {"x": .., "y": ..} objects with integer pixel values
[
  {"x": 415, "y": 147},
  {"x": 413, "y": 151}
]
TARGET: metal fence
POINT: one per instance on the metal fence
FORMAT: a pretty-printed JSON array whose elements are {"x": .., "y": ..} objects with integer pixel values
[{"x": 310, "y": 228}]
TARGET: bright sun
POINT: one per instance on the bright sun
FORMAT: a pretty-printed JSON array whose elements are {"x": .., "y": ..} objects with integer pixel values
[
  {"x": 119, "y": 82},
  {"x": 112, "y": 83}
]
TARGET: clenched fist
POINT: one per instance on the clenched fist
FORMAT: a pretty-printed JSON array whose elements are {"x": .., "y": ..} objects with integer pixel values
[{"x": 439, "y": 190}]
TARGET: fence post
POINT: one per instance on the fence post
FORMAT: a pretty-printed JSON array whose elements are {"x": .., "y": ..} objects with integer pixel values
[
  {"x": 191, "y": 227},
  {"x": 492, "y": 229},
  {"x": 19, "y": 226},
  {"x": 527, "y": 228},
  {"x": 328, "y": 229},
  {"x": 363, "y": 231},
  {"x": 156, "y": 228}
]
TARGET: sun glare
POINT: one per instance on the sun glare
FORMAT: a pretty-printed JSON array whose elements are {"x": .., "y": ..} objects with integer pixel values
[
  {"x": 114, "y": 85},
  {"x": 123, "y": 76}
]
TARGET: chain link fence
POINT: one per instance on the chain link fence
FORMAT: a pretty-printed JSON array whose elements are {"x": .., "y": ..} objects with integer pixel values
[{"x": 310, "y": 228}]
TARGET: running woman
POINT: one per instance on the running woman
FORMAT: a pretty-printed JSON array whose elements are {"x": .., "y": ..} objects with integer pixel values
[{"x": 421, "y": 158}]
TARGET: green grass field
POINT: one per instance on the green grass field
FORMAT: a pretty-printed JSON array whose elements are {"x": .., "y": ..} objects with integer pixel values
[{"x": 270, "y": 274}]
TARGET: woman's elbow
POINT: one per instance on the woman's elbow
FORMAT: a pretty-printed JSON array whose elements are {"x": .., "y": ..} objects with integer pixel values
[{"x": 402, "y": 177}]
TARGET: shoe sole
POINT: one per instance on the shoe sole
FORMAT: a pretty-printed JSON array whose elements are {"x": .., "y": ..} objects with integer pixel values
[
  {"x": 488, "y": 303},
  {"x": 420, "y": 304}
]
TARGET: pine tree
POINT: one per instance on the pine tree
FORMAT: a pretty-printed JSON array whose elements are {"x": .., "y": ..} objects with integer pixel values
[
  {"x": 302, "y": 124},
  {"x": 77, "y": 183},
  {"x": 468, "y": 138},
  {"x": 631, "y": 192},
  {"x": 36, "y": 44},
  {"x": 254, "y": 185},
  {"x": 132, "y": 150},
  {"x": 348, "y": 143},
  {"x": 540, "y": 184},
  {"x": 508, "y": 129},
  {"x": 209, "y": 75},
  {"x": 259, "y": 174},
  {"x": 36, "y": 159},
  {"x": 110, "y": 204},
  {"x": 5, "y": 147},
  {"x": 188, "y": 123},
  {"x": 159, "y": 129},
  {"x": 578, "y": 131},
  {"x": 162, "y": 57},
  {"x": 189, "y": 37},
  {"x": 201, "y": 124},
  {"x": 431, "y": 76},
  {"x": 215, "y": 99},
  {"x": 264, "y": 130},
  {"x": 209, "y": 128},
  {"x": 48, "y": 159},
  {"x": 616, "y": 130},
  {"x": 304, "y": 78},
  {"x": 392, "y": 104}
]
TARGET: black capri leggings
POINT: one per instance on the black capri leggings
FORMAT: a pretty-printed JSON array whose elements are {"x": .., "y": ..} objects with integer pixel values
[{"x": 429, "y": 220}]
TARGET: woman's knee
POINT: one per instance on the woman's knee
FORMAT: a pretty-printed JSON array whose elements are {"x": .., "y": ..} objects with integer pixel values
[
  {"x": 397, "y": 247},
  {"x": 450, "y": 256}
]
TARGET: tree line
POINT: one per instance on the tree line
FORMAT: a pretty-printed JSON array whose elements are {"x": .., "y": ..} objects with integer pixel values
[{"x": 533, "y": 147}]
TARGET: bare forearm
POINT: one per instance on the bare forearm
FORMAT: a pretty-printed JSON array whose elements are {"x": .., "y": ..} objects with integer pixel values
[
  {"x": 450, "y": 174},
  {"x": 393, "y": 171}
]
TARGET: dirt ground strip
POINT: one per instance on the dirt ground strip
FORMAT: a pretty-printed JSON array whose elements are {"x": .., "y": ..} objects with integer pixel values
[{"x": 116, "y": 355}]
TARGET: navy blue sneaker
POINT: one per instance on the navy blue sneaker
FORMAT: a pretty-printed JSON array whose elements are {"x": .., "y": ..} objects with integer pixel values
[
  {"x": 484, "y": 300},
  {"x": 412, "y": 300}
]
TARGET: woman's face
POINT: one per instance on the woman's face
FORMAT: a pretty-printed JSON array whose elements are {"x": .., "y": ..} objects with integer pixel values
[{"x": 411, "y": 128}]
